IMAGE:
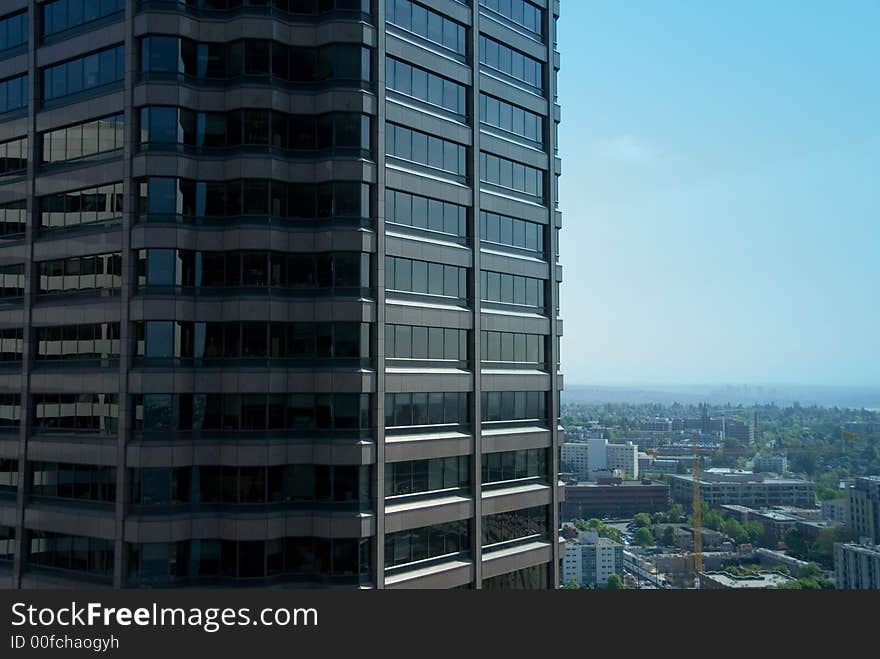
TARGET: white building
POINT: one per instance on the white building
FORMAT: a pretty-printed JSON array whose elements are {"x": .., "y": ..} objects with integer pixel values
[
  {"x": 590, "y": 560},
  {"x": 575, "y": 455},
  {"x": 597, "y": 454},
  {"x": 624, "y": 457}
]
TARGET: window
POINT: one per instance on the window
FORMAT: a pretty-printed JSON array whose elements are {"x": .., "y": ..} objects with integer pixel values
[
  {"x": 425, "y": 278},
  {"x": 423, "y": 213},
  {"x": 14, "y": 156},
  {"x": 425, "y": 149},
  {"x": 512, "y": 175},
  {"x": 12, "y": 280},
  {"x": 425, "y": 86},
  {"x": 511, "y": 289},
  {"x": 82, "y": 140},
  {"x": 80, "y": 413},
  {"x": 92, "y": 71},
  {"x": 511, "y": 118},
  {"x": 521, "y": 12},
  {"x": 14, "y": 93},
  {"x": 11, "y": 344},
  {"x": 423, "y": 409},
  {"x": 510, "y": 231},
  {"x": 513, "y": 406},
  {"x": 421, "y": 476},
  {"x": 73, "y": 481},
  {"x": 404, "y": 547},
  {"x": 77, "y": 342},
  {"x": 71, "y": 552},
  {"x": 511, "y": 62},
  {"x": 525, "y": 524},
  {"x": 512, "y": 347},
  {"x": 91, "y": 206},
  {"x": 101, "y": 271},
  {"x": 13, "y": 31},
  {"x": 515, "y": 465},
  {"x": 413, "y": 342},
  {"x": 10, "y": 410},
  {"x": 62, "y": 15},
  {"x": 426, "y": 23},
  {"x": 13, "y": 218}
]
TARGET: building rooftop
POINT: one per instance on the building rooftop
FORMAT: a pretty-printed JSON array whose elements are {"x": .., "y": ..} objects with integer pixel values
[{"x": 759, "y": 580}]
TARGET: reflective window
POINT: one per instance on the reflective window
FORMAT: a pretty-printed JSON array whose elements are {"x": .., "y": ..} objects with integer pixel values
[
  {"x": 14, "y": 156},
  {"x": 511, "y": 118},
  {"x": 521, "y": 12},
  {"x": 403, "y": 547},
  {"x": 423, "y": 409},
  {"x": 81, "y": 140},
  {"x": 92, "y": 71},
  {"x": 424, "y": 213},
  {"x": 8, "y": 480},
  {"x": 512, "y": 347},
  {"x": 13, "y": 31},
  {"x": 13, "y": 218},
  {"x": 504, "y": 230},
  {"x": 512, "y": 175},
  {"x": 14, "y": 93},
  {"x": 233, "y": 412},
  {"x": 70, "y": 552},
  {"x": 425, "y": 149},
  {"x": 62, "y": 15},
  {"x": 7, "y": 538},
  {"x": 420, "y": 476},
  {"x": 252, "y": 269},
  {"x": 165, "y": 56},
  {"x": 101, "y": 271},
  {"x": 425, "y": 278},
  {"x": 414, "y": 342},
  {"x": 513, "y": 405},
  {"x": 215, "y": 200},
  {"x": 516, "y": 525},
  {"x": 511, "y": 289},
  {"x": 291, "y": 484},
  {"x": 11, "y": 344},
  {"x": 77, "y": 342},
  {"x": 426, "y": 23},
  {"x": 72, "y": 481},
  {"x": 12, "y": 280},
  {"x": 10, "y": 410},
  {"x": 293, "y": 558},
  {"x": 91, "y": 206},
  {"x": 425, "y": 86},
  {"x": 511, "y": 62},
  {"x": 515, "y": 465},
  {"x": 81, "y": 413}
]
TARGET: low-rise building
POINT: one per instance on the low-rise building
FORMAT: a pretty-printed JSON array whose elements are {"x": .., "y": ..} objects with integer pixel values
[
  {"x": 625, "y": 499},
  {"x": 857, "y": 567},
  {"x": 774, "y": 464},
  {"x": 724, "y": 580},
  {"x": 864, "y": 504},
  {"x": 836, "y": 510},
  {"x": 589, "y": 560},
  {"x": 624, "y": 457},
  {"x": 744, "y": 488}
]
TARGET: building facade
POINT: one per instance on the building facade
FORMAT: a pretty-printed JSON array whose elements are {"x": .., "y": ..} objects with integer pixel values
[
  {"x": 744, "y": 489},
  {"x": 624, "y": 499},
  {"x": 575, "y": 457},
  {"x": 282, "y": 302},
  {"x": 864, "y": 509},
  {"x": 589, "y": 560},
  {"x": 856, "y": 567},
  {"x": 774, "y": 464},
  {"x": 624, "y": 457}
]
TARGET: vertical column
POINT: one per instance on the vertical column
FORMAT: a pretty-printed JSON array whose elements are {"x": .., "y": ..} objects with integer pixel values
[
  {"x": 128, "y": 278},
  {"x": 474, "y": 231},
  {"x": 379, "y": 284},
  {"x": 550, "y": 141},
  {"x": 30, "y": 282}
]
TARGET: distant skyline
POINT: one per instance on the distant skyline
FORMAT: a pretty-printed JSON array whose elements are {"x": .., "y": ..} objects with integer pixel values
[{"x": 720, "y": 192}]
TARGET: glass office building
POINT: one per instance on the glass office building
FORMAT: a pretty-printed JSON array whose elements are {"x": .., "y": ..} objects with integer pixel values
[{"x": 279, "y": 293}]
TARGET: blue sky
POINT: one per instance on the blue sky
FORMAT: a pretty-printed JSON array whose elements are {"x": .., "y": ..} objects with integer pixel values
[{"x": 720, "y": 191}]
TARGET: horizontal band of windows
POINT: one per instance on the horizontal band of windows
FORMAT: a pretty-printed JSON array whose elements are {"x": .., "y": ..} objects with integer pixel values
[
  {"x": 256, "y": 220},
  {"x": 257, "y": 81},
  {"x": 512, "y": 64},
  {"x": 73, "y": 163},
  {"x": 13, "y": 96},
  {"x": 423, "y": 235},
  {"x": 86, "y": 73},
  {"x": 14, "y": 156},
  {"x": 519, "y": 15},
  {"x": 508, "y": 529},
  {"x": 346, "y": 153},
  {"x": 424, "y": 87},
  {"x": 426, "y": 478},
  {"x": 415, "y": 547},
  {"x": 255, "y": 291},
  {"x": 256, "y": 363},
  {"x": 83, "y": 95},
  {"x": 72, "y": 143},
  {"x": 293, "y": 10},
  {"x": 63, "y": 18},
  {"x": 252, "y": 437},
  {"x": 393, "y": 161},
  {"x": 425, "y": 24}
]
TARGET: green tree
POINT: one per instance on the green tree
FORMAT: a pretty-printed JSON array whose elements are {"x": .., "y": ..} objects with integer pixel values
[
  {"x": 795, "y": 542},
  {"x": 735, "y": 530},
  {"x": 669, "y": 536},
  {"x": 755, "y": 530},
  {"x": 675, "y": 513},
  {"x": 571, "y": 584},
  {"x": 644, "y": 537},
  {"x": 615, "y": 582},
  {"x": 642, "y": 519}
]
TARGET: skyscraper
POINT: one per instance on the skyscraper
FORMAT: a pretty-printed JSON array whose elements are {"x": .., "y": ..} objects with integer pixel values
[{"x": 280, "y": 293}]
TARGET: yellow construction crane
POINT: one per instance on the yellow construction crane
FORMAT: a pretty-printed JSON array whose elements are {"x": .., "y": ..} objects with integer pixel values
[{"x": 698, "y": 511}]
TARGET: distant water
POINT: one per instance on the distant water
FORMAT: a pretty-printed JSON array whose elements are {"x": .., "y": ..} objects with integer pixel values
[{"x": 778, "y": 394}]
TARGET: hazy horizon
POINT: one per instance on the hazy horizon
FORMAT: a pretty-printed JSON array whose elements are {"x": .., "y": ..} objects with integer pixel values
[{"x": 720, "y": 192}]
